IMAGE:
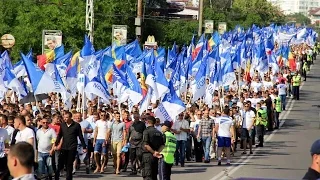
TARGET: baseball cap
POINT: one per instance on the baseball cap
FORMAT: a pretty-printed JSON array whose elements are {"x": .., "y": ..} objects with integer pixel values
[
  {"x": 167, "y": 123},
  {"x": 315, "y": 148}
]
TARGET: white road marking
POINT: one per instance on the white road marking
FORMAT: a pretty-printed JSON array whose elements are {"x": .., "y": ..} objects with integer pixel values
[{"x": 227, "y": 173}]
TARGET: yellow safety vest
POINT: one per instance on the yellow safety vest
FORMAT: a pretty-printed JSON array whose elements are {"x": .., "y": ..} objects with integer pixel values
[
  {"x": 169, "y": 148},
  {"x": 296, "y": 80},
  {"x": 278, "y": 104},
  {"x": 305, "y": 66},
  {"x": 309, "y": 57},
  {"x": 263, "y": 120}
]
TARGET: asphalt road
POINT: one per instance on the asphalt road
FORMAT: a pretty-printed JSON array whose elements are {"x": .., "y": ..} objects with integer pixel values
[{"x": 286, "y": 152}]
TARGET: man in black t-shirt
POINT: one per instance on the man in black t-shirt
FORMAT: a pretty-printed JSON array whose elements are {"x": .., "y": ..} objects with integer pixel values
[
  {"x": 135, "y": 137},
  {"x": 314, "y": 170}
]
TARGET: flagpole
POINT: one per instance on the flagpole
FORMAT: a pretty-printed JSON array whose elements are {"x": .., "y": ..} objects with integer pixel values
[
  {"x": 239, "y": 79},
  {"x": 83, "y": 102},
  {"x": 98, "y": 103},
  {"x": 79, "y": 103},
  {"x": 58, "y": 101},
  {"x": 35, "y": 97}
]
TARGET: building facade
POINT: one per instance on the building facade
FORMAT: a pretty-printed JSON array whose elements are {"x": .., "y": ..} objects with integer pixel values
[{"x": 296, "y": 6}]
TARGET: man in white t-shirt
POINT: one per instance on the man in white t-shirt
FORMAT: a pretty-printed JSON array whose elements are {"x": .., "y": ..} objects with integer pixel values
[
  {"x": 247, "y": 127},
  {"x": 100, "y": 142},
  {"x": 4, "y": 125},
  {"x": 181, "y": 129},
  {"x": 24, "y": 134},
  {"x": 226, "y": 135},
  {"x": 282, "y": 89}
]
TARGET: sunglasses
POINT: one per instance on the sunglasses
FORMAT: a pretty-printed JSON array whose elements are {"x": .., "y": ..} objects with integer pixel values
[{"x": 45, "y": 122}]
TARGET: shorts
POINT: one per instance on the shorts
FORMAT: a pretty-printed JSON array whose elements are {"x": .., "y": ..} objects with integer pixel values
[
  {"x": 116, "y": 147},
  {"x": 224, "y": 141},
  {"x": 245, "y": 134},
  {"x": 99, "y": 148}
]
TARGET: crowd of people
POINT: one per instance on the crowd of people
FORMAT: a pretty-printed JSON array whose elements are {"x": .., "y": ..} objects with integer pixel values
[{"x": 43, "y": 139}]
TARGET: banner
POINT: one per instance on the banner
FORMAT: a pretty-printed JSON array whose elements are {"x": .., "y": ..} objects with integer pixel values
[
  {"x": 208, "y": 26},
  {"x": 50, "y": 40},
  {"x": 222, "y": 27},
  {"x": 119, "y": 34}
]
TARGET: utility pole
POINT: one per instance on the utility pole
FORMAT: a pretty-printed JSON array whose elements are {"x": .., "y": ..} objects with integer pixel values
[
  {"x": 200, "y": 17},
  {"x": 90, "y": 18},
  {"x": 138, "y": 19}
]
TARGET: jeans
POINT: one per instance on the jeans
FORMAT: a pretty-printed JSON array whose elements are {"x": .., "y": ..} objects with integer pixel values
[
  {"x": 206, "y": 142},
  {"x": 180, "y": 151},
  {"x": 283, "y": 101},
  {"x": 276, "y": 119},
  {"x": 66, "y": 159},
  {"x": 164, "y": 170},
  {"x": 44, "y": 164}
]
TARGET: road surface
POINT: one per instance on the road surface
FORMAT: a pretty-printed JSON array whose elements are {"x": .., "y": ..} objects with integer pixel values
[{"x": 286, "y": 152}]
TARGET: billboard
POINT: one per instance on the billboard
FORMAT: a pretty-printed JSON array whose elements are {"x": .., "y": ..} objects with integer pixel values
[
  {"x": 119, "y": 34},
  {"x": 222, "y": 27},
  {"x": 50, "y": 40},
  {"x": 208, "y": 26}
]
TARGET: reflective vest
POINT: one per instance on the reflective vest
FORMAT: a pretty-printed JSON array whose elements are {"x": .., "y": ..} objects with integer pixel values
[
  {"x": 263, "y": 120},
  {"x": 309, "y": 57},
  {"x": 296, "y": 80},
  {"x": 305, "y": 66},
  {"x": 169, "y": 148},
  {"x": 278, "y": 104}
]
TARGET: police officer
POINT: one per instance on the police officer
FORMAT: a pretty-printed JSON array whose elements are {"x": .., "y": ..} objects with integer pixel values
[
  {"x": 277, "y": 109},
  {"x": 261, "y": 122},
  {"x": 167, "y": 154},
  {"x": 152, "y": 144},
  {"x": 296, "y": 80}
]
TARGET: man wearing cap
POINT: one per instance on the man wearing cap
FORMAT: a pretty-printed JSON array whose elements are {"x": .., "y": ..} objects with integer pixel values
[
  {"x": 167, "y": 154},
  {"x": 314, "y": 170}
]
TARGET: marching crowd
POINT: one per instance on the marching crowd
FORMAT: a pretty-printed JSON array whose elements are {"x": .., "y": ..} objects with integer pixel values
[{"x": 44, "y": 140}]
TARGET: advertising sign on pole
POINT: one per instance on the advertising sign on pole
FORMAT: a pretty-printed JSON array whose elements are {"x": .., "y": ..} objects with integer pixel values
[
  {"x": 50, "y": 40},
  {"x": 208, "y": 26},
  {"x": 119, "y": 34},
  {"x": 222, "y": 27}
]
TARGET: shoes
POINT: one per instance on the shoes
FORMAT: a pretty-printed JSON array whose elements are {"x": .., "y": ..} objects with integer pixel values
[
  {"x": 219, "y": 163},
  {"x": 133, "y": 173}
]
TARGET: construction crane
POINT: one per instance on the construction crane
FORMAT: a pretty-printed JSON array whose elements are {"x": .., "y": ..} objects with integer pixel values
[{"x": 89, "y": 18}]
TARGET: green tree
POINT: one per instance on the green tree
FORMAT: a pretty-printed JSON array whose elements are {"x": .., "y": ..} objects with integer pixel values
[
  {"x": 298, "y": 18},
  {"x": 26, "y": 19},
  {"x": 242, "y": 12},
  {"x": 169, "y": 31}
]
